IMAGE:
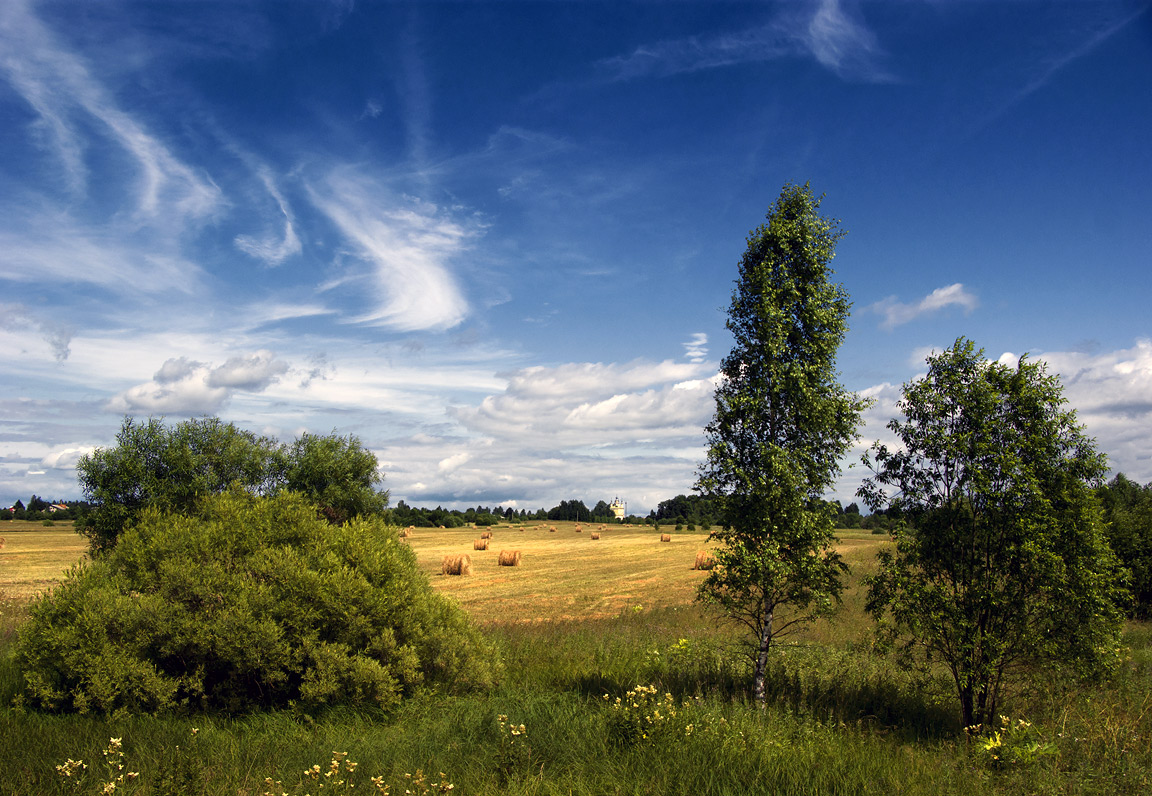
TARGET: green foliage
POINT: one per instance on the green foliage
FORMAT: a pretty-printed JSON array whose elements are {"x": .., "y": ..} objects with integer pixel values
[
  {"x": 1127, "y": 510},
  {"x": 173, "y": 467},
  {"x": 250, "y": 602},
  {"x": 337, "y": 474},
  {"x": 170, "y": 468},
  {"x": 1000, "y": 567},
  {"x": 781, "y": 425}
]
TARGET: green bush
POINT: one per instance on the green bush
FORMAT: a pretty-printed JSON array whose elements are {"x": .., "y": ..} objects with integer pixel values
[{"x": 250, "y": 602}]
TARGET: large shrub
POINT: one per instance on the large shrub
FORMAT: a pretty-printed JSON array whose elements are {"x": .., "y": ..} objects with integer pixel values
[{"x": 248, "y": 602}]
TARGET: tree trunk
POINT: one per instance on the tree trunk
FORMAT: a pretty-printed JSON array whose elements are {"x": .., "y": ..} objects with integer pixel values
[{"x": 762, "y": 658}]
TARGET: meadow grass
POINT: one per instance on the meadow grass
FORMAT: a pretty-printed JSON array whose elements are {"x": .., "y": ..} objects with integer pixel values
[{"x": 581, "y": 624}]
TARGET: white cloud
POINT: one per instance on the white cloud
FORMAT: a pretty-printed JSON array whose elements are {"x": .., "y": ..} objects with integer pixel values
[
  {"x": 58, "y": 336},
  {"x": 896, "y": 312},
  {"x": 270, "y": 249},
  {"x": 595, "y": 405},
  {"x": 1110, "y": 391},
  {"x": 411, "y": 246},
  {"x": 67, "y": 97},
  {"x": 65, "y": 458},
  {"x": 825, "y": 30},
  {"x": 52, "y": 247},
  {"x": 841, "y": 43},
  {"x": 187, "y": 387},
  {"x": 1112, "y": 394},
  {"x": 696, "y": 349},
  {"x": 252, "y": 373}
]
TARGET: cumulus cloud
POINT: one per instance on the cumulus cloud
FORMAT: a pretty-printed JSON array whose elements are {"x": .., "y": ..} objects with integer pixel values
[
  {"x": 411, "y": 246},
  {"x": 1112, "y": 394},
  {"x": 595, "y": 405},
  {"x": 252, "y": 373},
  {"x": 65, "y": 458},
  {"x": 186, "y": 387},
  {"x": 897, "y": 313}
]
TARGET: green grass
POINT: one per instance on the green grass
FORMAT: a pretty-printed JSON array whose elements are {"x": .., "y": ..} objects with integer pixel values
[{"x": 580, "y": 620}]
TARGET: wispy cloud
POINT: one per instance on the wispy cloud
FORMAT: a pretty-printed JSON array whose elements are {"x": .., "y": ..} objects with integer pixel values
[
  {"x": 897, "y": 313},
  {"x": 837, "y": 38},
  {"x": 1055, "y": 65},
  {"x": 696, "y": 349},
  {"x": 60, "y": 86},
  {"x": 842, "y": 42},
  {"x": 43, "y": 245},
  {"x": 57, "y": 335},
  {"x": 271, "y": 249},
  {"x": 411, "y": 246}
]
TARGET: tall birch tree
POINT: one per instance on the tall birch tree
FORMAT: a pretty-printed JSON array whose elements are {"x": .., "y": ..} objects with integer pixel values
[{"x": 782, "y": 424}]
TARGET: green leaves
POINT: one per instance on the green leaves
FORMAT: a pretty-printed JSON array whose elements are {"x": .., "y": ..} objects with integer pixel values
[
  {"x": 782, "y": 423},
  {"x": 250, "y": 602},
  {"x": 1001, "y": 567},
  {"x": 173, "y": 467}
]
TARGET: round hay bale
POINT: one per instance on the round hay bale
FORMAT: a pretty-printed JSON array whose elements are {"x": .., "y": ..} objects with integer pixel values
[
  {"x": 665, "y": 537},
  {"x": 480, "y": 544},
  {"x": 595, "y": 535},
  {"x": 456, "y": 565},
  {"x": 704, "y": 560},
  {"x": 486, "y": 535},
  {"x": 509, "y": 558}
]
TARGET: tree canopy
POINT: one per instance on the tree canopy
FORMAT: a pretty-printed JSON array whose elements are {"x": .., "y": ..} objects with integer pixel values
[
  {"x": 1128, "y": 522},
  {"x": 781, "y": 425},
  {"x": 171, "y": 467},
  {"x": 1000, "y": 567}
]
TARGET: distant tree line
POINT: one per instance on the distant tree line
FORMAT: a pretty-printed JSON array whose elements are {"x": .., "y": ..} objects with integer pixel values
[
  {"x": 38, "y": 508},
  {"x": 566, "y": 511}
]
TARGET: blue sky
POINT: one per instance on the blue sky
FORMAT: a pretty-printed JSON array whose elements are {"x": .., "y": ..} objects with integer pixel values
[{"x": 497, "y": 240}]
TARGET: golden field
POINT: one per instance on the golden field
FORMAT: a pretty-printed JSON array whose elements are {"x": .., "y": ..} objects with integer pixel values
[{"x": 563, "y": 574}]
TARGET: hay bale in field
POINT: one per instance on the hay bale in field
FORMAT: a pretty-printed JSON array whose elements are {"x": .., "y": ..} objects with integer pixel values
[
  {"x": 665, "y": 537},
  {"x": 404, "y": 534},
  {"x": 509, "y": 558},
  {"x": 595, "y": 535},
  {"x": 480, "y": 544},
  {"x": 486, "y": 535},
  {"x": 552, "y": 528},
  {"x": 456, "y": 565},
  {"x": 579, "y": 529},
  {"x": 704, "y": 561}
]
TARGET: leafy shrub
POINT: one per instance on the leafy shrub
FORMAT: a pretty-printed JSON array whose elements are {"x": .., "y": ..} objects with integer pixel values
[{"x": 249, "y": 602}]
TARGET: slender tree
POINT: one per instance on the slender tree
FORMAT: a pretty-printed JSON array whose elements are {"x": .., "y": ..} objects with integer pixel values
[
  {"x": 1001, "y": 568},
  {"x": 782, "y": 424}
]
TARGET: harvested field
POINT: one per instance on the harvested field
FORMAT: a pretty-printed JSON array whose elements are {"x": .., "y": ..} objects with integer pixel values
[{"x": 563, "y": 577}]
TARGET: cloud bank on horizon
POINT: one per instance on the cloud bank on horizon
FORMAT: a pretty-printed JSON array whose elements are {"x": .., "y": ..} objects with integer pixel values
[{"x": 503, "y": 260}]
